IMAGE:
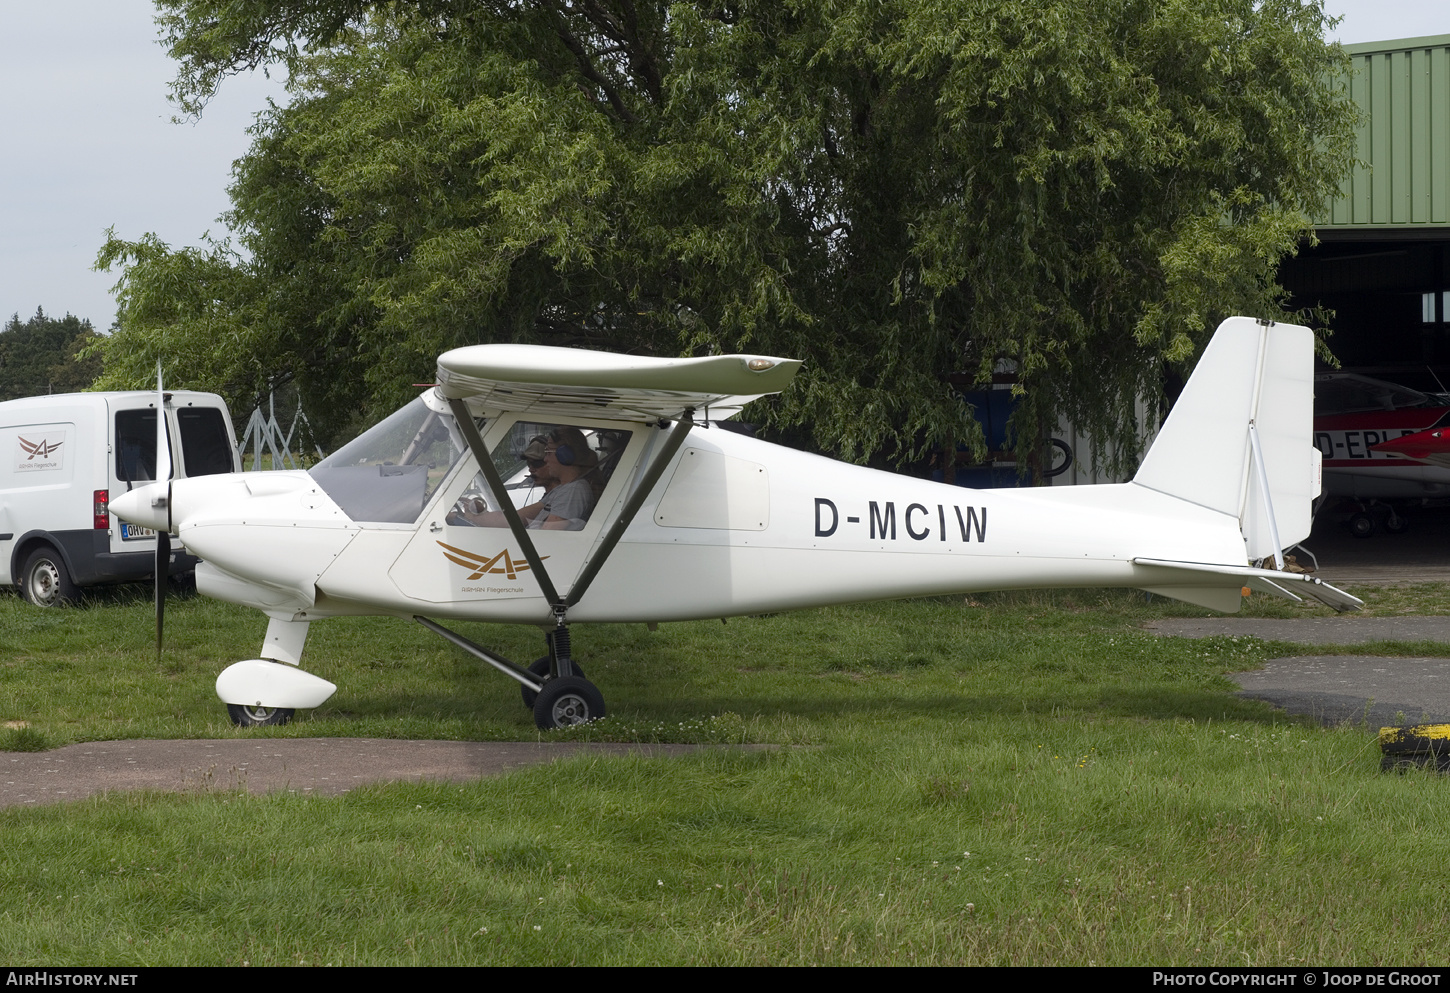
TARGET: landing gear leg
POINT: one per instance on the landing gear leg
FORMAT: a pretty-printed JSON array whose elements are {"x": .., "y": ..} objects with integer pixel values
[
  {"x": 567, "y": 698},
  {"x": 561, "y": 663},
  {"x": 553, "y": 687}
]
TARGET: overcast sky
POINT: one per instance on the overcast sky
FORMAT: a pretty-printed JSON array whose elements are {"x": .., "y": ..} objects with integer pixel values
[{"x": 87, "y": 143}]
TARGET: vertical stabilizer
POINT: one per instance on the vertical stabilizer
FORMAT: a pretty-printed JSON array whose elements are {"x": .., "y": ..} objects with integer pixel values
[{"x": 1240, "y": 439}]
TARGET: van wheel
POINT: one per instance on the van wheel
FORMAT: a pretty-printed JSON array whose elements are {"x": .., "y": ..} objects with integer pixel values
[{"x": 46, "y": 582}]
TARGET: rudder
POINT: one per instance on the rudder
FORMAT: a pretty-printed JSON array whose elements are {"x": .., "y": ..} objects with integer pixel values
[{"x": 1240, "y": 439}]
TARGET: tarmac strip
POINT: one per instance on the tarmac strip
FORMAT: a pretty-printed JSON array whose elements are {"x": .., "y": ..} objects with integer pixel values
[
  {"x": 1376, "y": 691},
  {"x": 313, "y": 766},
  {"x": 1348, "y": 630}
]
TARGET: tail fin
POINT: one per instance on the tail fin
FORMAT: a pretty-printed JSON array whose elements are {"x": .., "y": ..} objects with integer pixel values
[{"x": 1240, "y": 439}]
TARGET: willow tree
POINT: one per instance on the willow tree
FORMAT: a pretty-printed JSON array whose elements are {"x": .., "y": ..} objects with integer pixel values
[{"x": 893, "y": 191}]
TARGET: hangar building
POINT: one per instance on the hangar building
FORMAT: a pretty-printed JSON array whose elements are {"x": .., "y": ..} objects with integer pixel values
[{"x": 1383, "y": 261}]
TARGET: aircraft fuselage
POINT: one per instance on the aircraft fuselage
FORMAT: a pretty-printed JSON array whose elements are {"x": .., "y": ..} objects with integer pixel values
[{"x": 735, "y": 526}]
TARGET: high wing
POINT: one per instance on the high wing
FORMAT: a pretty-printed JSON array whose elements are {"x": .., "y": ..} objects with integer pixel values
[{"x": 570, "y": 381}]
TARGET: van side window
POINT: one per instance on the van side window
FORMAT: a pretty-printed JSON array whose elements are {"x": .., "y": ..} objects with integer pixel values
[
  {"x": 204, "y": 443},
  {"x": 136, "y": 445}
]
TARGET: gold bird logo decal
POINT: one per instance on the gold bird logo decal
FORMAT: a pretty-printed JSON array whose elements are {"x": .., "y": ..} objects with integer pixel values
[{"x": 502, "y": 564}]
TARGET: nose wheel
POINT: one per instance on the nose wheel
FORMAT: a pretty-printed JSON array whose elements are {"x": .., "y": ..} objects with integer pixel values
[{"x": 255, "y": 717}]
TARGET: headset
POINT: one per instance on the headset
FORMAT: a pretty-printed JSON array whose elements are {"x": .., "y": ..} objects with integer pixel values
[{"x": 563, "y": 453}]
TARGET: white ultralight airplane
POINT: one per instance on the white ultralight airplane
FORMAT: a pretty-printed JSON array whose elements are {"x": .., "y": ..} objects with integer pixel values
[{"x": 654, "y": 513}]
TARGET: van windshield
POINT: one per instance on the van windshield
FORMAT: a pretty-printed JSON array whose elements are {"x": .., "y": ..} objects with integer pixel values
[{"x": 388, "y": 472}]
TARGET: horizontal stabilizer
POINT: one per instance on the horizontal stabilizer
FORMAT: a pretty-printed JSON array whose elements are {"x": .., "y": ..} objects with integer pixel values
[{"x": 1167, "y": 574}]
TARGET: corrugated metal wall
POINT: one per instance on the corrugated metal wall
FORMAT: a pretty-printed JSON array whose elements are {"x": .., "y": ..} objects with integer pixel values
[{"x": 1404, "y": 89}]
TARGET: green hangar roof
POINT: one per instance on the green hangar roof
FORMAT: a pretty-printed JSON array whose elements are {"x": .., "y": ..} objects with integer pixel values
[{"x": 1403, "y": 89}]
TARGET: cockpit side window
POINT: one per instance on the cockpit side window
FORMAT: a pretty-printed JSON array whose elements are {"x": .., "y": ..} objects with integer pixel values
[{"x": 553, "y": 473}]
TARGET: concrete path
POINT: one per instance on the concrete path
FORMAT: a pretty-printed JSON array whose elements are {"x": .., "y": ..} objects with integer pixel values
[
  {"x": 1339, "y": 689},
  {"x": 1379, "y": 691},
  {"x": 316, "y": 766},
  {"x": 1342, "y": 630}
]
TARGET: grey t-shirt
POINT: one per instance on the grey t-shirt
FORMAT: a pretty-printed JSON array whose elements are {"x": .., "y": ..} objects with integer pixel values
[{"x": 571, "y": 501}]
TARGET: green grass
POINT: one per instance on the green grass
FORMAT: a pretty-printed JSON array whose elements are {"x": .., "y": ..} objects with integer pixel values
[{"x": 1028, "y": 780}]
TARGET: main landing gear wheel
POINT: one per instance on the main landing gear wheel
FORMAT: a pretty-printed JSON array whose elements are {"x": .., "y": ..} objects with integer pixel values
[
  {"x": 1362, "y": 525},
  {"x": 1395, "y": 524},
  {"x": 567, "y": 701},
  {"x": 251, "y": 717},
  {"x": 46, "y": 582},
  {"x": 540, "y": 667}
]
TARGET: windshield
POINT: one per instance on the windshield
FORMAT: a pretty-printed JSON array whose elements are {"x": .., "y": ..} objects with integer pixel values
[
  {"x": 1344, "y": 393},
  {"x": 388, "y": 472}
]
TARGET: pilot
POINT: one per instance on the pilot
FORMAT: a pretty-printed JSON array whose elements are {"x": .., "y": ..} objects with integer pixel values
[
  {"x": 564, "y": 463},
  {"x": 535, "y": 455}
]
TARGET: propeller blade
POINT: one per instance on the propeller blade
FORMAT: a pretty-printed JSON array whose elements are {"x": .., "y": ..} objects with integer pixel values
[
  {"x": 163, "y": 535},
  {"x": 163, "y": 567},
  {"x": 163, "y": 440}
]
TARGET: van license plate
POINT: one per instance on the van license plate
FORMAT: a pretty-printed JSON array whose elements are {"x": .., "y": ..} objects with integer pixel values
[{"x": 130, "y": 532}]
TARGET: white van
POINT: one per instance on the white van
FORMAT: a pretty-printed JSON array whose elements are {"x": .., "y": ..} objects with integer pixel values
[{"x": 65, "y": 456}]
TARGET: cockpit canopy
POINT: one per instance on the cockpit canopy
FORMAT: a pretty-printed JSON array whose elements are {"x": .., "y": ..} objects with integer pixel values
[{"x": 387, "y": 473}]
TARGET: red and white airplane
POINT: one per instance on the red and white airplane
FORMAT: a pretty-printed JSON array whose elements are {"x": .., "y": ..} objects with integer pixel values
[
  {"x": 1374, "y": 437},
  {"x": 1432, "y": 446}
]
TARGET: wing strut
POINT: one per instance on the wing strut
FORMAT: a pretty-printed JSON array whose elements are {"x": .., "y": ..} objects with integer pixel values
[
  {"x": 616, "y": 530},
  {"x": 495, "y": 484}
]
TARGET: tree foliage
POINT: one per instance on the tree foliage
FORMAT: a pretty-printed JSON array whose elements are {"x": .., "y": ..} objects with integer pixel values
[
  {"x": 43, "y": 355},
  {"x": 893, "y": 191}
]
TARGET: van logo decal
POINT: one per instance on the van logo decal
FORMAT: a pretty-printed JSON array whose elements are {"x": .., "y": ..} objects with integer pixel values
[{"x": 36, "y": 455}]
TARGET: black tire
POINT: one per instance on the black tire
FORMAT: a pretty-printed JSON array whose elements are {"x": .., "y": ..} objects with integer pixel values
[
  {"x": 540, "y": 667},
  {"x": 45, "y": 581},
  {"x": 1395, "y": 524},
  {"x": 567, "y": 701},
  {"x": 1059, "y": 458},
  {"x": 1362, "y": 525},
  {"x": 255, "y": 717}
]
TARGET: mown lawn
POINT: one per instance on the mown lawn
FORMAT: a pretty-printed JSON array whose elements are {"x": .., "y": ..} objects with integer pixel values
[{"x": 1018, "y": 779}]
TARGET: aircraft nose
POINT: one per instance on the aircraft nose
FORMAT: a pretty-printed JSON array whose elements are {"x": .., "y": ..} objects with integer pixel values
[{"x": 139, "y": 506}]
